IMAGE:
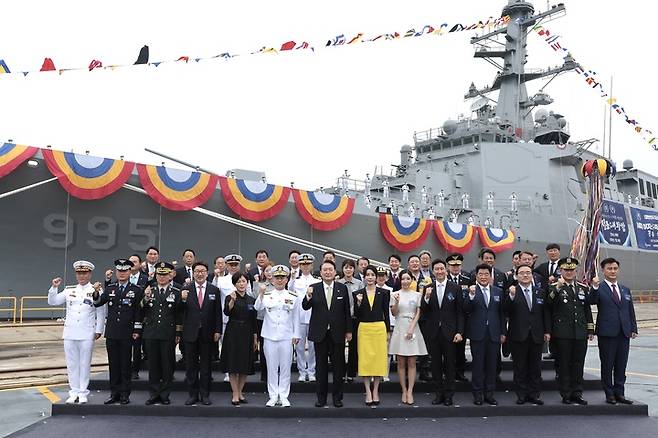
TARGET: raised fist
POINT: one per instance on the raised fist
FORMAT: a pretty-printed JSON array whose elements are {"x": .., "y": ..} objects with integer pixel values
[
  {"x": 512, "y": 292},
  {"x": 561, "y": 282},
  {"x": 188, "y": 280},
  {"x": 233, "y": 296},
  {"x": 183, "y": 294},
  {"x": 108, "y": 275},
  {"x": 471, "y": 291},
  {"x": 596, "y": 282},
  {"x": 147, "y": 292},
  {"x": 309, "y": 292},
  {"x": 359, "y": 298},
  {"x": 261, "y": 289},
  {"x": 428, "y": 293},
  {"x": 396, "y": 297},
  {"x": 218, "y": 273},
  {"x": 57, "y": 281},
  {"x": 97, "y": 286}
]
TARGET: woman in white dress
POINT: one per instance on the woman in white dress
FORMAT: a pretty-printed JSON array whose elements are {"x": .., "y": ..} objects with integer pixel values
[{"x": 407, "y": 341}]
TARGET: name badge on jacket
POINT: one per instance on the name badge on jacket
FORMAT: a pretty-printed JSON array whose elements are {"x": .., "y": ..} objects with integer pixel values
[{"x": 211, "y": 296}]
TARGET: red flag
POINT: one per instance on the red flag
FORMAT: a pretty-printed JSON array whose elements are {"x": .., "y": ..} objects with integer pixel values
[
  {"x": 48, "y": 65},
  {"x": 288, "y": 46}
]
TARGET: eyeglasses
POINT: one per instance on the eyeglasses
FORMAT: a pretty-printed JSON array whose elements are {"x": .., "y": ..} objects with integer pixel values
[
  {"x": 524, "y": 273},
  {"x": 200, "y": 271}
]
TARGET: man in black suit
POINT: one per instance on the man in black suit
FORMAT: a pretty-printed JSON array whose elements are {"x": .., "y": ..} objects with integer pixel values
[
  {"x": 202, "y": 325},
  {"x": 529, "y": 328},
  {"x": 549, "y": 270},
  {"x": 330, "y": 327},
  {"x": 486, "y": 330},
  {"x": 184, "y": 273},
  {"x": 393, "y": 281},
  {"x": 463, "y": 280},
  {"x": 443, "y": 328},
  {"x": 256, "y": 272},
  {"x": 361, "y": 265},
  {"x": 140, "y": 279}
]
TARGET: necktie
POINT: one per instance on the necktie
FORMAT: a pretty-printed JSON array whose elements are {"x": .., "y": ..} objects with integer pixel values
[
  {"x": 328, "y": 293},
  {"x": 485, "y": 292},
  {"x": 551, "y": 271},
  {"x": 121, "y": 289},
  {"x": 615, "y": 296},
  {"x": 439, "y": 293},
  {"x": 189, "y": 272},
  {"x": 528, "y": 298},
  {"x": 200, "y": 295},
  {"x": 161, "y": 290}
]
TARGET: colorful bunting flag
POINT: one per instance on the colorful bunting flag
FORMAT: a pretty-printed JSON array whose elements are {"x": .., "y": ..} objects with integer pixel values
[
  {"x": 404, "y": 233},
  {"x": 48, "y": 65},
  {"x": 176, "y": 189},
  {"x": 455, "y": 237},
  {"x": 3, "y": 67},
  {"x": 254, "y": 200},
  {"x": 323, "y": 211},
  {"x": 497, "y": 239},
  {"x": 85, "y": 176},
  {"x": 13, "y": 155}
]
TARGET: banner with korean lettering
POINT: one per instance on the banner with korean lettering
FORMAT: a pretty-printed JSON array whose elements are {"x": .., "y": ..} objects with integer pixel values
[
  {"x": 614, "y": 229},
  {"x": 645, "y": 223}
]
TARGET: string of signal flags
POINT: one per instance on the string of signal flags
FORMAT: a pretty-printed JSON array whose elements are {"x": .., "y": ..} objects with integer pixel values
[{"x": 488, "y": 25}]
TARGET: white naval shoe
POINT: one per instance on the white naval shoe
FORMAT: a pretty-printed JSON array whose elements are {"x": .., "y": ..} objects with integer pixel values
[
  {"x": 302, "y": 378},
  {"x": 82, "y": 399},
  {"x": 72, "y": 399},
  {"x": 272, "y": 402},
  {"x": 311, "y": 377},
  {"x": 285, "y": 403}
]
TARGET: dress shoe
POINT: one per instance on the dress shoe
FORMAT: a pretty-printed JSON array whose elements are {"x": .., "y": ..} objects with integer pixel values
[
  {"x": 271, "y": 402},
  {"x": 311, "y": 378},
  {"x": 477, "y": 400},
  {"x": 205, "y": 401},
  {"x": 124, "y": 400},
  {"x": 285, "y": 403},
  {"x": 237, "y": 403},
  {"x": 492, "y": 401},
  {"x": 191, "y": 401},
  {"x": 134, "y": 375},
  {"x": 579, "y": 400},
  {"x": 338, "y": 403},
  {"x": 566, "y": 400},
  {"x": 375, "y": 402},
  {"x": 111, "y": 400},
  {"x": 461, "y": 378},
  {"x": 520, "y": 400},
  {"x": 244, "y": 400},
  {"x": 611, "y": 400},
  {"x": 72, "y": 399},
  {"x": 152, "y": 401},
  {"x": 549, "y": 356},
  {"x": 165, "y": 401},
  {"x": 82, "y": 399},
  {"x": 448, "y": 401},
  {"x": 439, "y": 399},
  {"x": 301, "y": 378},
  {"x": 623, "y": 400},
  {"x": 536, "y": 401},
  {"x": 320, "y": 404}
]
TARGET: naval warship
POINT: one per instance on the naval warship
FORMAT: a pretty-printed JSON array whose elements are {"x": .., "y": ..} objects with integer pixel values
[{"x": 510, "y": 165}]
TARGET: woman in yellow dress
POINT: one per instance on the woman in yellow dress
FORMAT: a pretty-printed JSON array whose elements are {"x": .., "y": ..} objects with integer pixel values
[{"x": 371, "y": 311}]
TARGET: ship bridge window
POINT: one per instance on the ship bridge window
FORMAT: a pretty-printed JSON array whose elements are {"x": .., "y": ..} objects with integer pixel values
[
  {"x": 648, "y": 188},
  {"x": 641, "y": 186},
  {"x": 653, "y": 189}
]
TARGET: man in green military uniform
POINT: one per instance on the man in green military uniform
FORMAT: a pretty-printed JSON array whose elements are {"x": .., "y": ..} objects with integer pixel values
[
  {"x": 162, "y": 330},
  {"x": 572, "y": 326}
]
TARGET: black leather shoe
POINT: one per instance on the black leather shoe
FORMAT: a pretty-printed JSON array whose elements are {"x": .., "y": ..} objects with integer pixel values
[
  {"x": 477, "y": 400},
  {"x": 338, "y": 403},
  {"x": 191, "y": 401},
  {"x": 165, "y": 401},
  {"x": 439, "y": 399},
  {"x": 611, "y": 400},
  {"x": 152, "y": 401},
  {"x": 124, "y": 400},
  {"x": 244, "y": 400},
  {"x": 235, "y": 402},
  {"x": 205, "y": 401},
  {"x": 566, "y": 401},
  {"x": 461, "y": 378},
  {"x": 112, "y": 399},
  {"x": 320, "y": 404},
  {"x": 579, "y": 400},
  {"x": 448, "y": 401},
  {"x": 492, "y": 401},
  {"x": 536, "y": 401},
  {"x": 623, "y": 400},
  {"x": 520, "y": 400}
]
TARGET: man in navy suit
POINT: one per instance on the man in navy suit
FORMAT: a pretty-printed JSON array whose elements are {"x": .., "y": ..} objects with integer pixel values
[
  {"x": 202, "y": 325},
  {"x": 484, "y": 309},
  {"x": 330, "y": 326},
  {"x": 615, "y": 326}
]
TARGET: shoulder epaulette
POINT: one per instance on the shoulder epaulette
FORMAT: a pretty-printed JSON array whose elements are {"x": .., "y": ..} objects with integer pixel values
[
  {"x": 175, "y": 289},
  {"x": 269, "y": 292},
  {"x": 582, "y": 284},
  {"x": 69, "y": 287},
  {"x": 293, "y": 293},
  {"x": 590, "y": 326}
]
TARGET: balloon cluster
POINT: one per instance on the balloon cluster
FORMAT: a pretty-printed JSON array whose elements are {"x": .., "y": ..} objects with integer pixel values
[{"x": 602, "y": 166}]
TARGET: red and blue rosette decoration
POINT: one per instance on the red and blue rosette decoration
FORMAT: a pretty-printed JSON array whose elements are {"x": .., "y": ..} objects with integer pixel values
[
  {"x": 404, "y": 233},
  {"x": 176, "y": 189},
  {"x": 254, "y": 200},
  {"x": 13, "y": 155},
  {"x": 497, "y": 239},
  {"x": 323, "y": 211},
  {"x": 455, "y": 237},
  {"x": 85, "y": 176}
]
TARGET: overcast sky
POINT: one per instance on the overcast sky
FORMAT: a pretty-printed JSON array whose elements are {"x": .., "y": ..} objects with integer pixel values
[{"x": 302, "y": 116}]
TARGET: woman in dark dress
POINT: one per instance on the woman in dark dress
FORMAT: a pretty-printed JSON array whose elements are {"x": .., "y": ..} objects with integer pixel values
[{"x": 240, "y": 337}]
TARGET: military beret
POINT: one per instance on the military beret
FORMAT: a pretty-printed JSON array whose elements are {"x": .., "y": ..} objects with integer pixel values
[
  {"x": 280, "y": 271},
  {"x": 123, "y": 264},
  {"x": 306, "y": 259},
  {"x": 455, "y": 259},
  {"x": 568, "y": 263},
  {"x": 233, "y": 258},
  {"x": 83, "y": 266},
  {"x": 163, "y": 268}
]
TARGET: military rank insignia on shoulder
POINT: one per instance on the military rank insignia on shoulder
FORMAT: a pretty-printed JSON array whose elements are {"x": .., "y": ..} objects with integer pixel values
[
  {"x": 175, "y": 289},
  {"x": 269, "y": 292},
  {"x": 69, "y": 287},
  {"x": 293, "y": 293},
  {"x": 552, "y": 294}
]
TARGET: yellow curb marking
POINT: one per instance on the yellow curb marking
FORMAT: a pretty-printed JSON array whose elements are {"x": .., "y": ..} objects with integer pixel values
[{"x": 48, "y": 394}]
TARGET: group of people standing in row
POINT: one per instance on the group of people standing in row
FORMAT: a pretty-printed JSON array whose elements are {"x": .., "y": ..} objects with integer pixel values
[{"x": 420, "y": 314}]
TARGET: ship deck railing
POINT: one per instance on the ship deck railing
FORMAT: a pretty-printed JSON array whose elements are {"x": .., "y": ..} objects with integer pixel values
[
  {"x": 23, "y": 307},
  {"x": 11, "y": 309}
]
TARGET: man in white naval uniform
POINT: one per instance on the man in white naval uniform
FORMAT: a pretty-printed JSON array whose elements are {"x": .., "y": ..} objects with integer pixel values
[
  {"x": 280, "y": 331},
  {"x": 305, "y": 359},
  {"x": 84, "y": 324}
]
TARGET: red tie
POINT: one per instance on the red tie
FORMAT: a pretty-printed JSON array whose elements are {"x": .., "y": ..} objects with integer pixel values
[
  {"x": 615, "y": 297},
  {"x": 200, "y": 295}
]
